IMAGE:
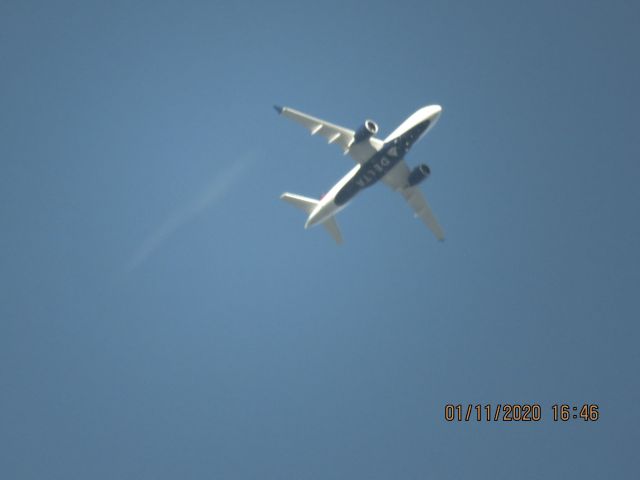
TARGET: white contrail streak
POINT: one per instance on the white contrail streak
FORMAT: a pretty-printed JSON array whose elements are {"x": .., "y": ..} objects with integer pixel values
[{"x": 216, "y": 189}]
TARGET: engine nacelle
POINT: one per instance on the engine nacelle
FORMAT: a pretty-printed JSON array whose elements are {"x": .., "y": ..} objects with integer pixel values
[
  {"x": 418, "y": 174},
  {"x": 366, "y": 131}
]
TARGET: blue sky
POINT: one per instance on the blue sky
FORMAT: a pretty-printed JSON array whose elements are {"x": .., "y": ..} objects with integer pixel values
[{"x": 164, "y": 315}]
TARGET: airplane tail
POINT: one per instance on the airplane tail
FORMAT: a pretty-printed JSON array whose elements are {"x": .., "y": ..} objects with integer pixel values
[
  {"x": 304, "y": 203},
  {"x": 308, "y": 204}
]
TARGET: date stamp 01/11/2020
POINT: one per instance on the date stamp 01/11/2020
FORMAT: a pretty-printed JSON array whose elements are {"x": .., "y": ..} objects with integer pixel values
[{"x": 520, "y": 412}]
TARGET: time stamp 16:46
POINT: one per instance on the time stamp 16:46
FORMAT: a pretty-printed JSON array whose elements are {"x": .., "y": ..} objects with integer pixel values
[{"x": 519, "y": 412}]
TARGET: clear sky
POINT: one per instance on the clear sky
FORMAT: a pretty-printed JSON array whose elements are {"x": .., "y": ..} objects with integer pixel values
[{"x": 164, "y": 315}]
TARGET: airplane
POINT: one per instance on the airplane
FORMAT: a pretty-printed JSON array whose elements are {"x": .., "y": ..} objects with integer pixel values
[{"x": 375, "y": 160}]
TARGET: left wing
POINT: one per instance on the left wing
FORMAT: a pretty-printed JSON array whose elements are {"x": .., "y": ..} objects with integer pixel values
[
  {"x": 397, "y": 179},
  {"x": 343, "y": 137},
  {"x": 333, "y": 133}
]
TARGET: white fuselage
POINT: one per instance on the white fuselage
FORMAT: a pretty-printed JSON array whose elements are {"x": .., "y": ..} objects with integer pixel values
[{"x": 368, "y": 172}]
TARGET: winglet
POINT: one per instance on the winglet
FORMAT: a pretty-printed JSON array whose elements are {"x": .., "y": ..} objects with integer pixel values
[{"x": 278, "y": 108}]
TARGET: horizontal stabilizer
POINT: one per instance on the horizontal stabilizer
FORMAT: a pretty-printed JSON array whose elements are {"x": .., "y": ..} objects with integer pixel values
[
  {"x": 332, "y": 227},
  {"x": 308, "y": 204},
  {"x": 304, "y": 203}
]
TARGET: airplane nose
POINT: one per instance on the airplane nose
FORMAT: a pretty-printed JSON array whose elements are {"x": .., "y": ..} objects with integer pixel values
[{"x": 433, "y": 118}]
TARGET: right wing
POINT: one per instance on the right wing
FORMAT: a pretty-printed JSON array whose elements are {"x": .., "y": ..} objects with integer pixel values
[
  {"x": 397, "y": 179},
  {"x": 416, "y": 200},
  {"x": 343, "y": 137}
]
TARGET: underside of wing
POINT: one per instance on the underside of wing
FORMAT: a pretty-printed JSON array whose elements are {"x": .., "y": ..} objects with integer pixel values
[
  {"x": 420, "y": 206},
  {"x": 333, "y": 133},
  {"x": 397, "y": 179},
  {"x": 341, "y": 136}
]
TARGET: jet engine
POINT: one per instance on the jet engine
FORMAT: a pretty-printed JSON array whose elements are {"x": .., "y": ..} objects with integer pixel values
[
  {"x": 418, "y": 174},
  {"x": 366, "y": 131}
]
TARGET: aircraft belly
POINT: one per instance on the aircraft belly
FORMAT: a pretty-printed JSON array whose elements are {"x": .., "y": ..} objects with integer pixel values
[{"x": 370, "y": 173}]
